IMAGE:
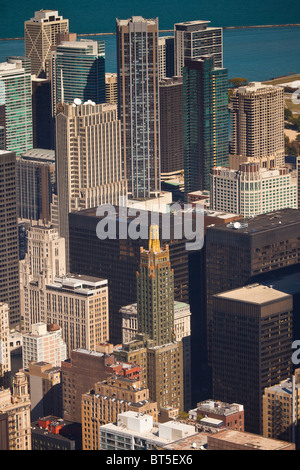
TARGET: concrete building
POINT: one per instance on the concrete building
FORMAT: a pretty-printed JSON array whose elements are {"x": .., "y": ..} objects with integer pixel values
[
  {"x": 36, "y": 184},
  {"x": 16, "y": 105},
  {"x": 9, "y": 256},
  {"x": 194, "y": 39},
  {"x": 251, "y": 347},
  {"x": 15, "y": 407},
  {"x": 230, "y": 414},
  {"x": 252, "y": 190},
  {"x": 171, "y": 126},
  {"x": 134, "y": 431},
  {"x": 111, "y": 88},
  {"x": 44, "y": 344},
  {"x": 44, "y": 260},
  {"x": 40, "y": 35},
  {"x": 257, "y": 123},
  {"x": 108, "y": 399},
  {"x": 45, "y": 389},
  {"x": 138, "y": 97},
  {"x": 281, "y": 410},
  {"x": 206, "y": 124},
  {"x": 90, "y": 169},
  {"x": 79, "y": 305},
  {"x": 50, "y": 432},
  {"x": 5, "y": 362},
  {"x": 236, "y": 440}
]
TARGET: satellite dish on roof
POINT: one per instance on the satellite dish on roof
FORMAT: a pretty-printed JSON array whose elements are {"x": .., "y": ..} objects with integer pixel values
[
  {"x": 77, "y": 101},
  {"x": 237, "y": 225}
]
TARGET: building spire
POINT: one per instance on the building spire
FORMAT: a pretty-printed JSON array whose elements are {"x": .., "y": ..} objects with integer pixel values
[{"x": 154, "y": 243}]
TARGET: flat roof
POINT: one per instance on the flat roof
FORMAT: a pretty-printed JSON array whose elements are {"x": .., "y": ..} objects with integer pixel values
[
  {"x": 250, "y": 440},
  {"x": 253, "y": 294}
]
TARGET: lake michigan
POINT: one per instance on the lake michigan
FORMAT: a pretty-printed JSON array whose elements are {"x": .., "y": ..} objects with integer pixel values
[{"x": 256, "y": 54}]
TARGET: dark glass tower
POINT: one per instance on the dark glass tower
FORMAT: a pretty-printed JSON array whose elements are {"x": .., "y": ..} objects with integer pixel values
[{"x": 205, "y": 111}]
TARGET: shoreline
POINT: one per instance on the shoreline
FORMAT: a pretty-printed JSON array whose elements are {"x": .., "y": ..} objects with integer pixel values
[{"x": 289, "y": 25}]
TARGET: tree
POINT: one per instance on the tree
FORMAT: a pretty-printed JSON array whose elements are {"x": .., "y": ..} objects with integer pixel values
[
  {"x": 288, "y": 115},
  {"x": 237, "y": 81}
]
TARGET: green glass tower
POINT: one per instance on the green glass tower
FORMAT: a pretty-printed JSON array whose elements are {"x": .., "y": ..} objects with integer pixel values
[
  {"x": 80, "y": 67},
  {"x": 155, "y": 292},
  {"x": 16, "y": 105},
  {"x": 206, "y": 121}
]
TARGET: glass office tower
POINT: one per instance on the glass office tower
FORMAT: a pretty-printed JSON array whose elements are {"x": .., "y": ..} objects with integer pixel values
[
  {"x": 16, "y": 104},
  {"x": 206, "y": 117},
  {"x": 80, "y": 66}
]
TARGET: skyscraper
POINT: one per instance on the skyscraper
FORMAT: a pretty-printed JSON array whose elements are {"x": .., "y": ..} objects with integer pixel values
[
  {"x": 90, "y": 170},
  {"x": 205, "y": 111},
  {"x": 40, "y": 35},
  {"x": 78, "y": 72},
  {"x": 138, "y": 96},
  {"x": 171, "y": 125},
  {"x": 16, "y": 104},
  {"x": 9, "y": 255},
  {"x": 193, "y": 39},
  {"x": 257, "y": 122},
  {"x": 166, "y": 56},
  {"x": 155, "y": 292},
  {"x": 251, "y": 346}
]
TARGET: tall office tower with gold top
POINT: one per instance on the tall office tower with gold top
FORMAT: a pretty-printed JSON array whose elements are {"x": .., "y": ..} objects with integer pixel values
[
  {"x": 155, "y": 292},
  {"x": 206, "y": 121}
]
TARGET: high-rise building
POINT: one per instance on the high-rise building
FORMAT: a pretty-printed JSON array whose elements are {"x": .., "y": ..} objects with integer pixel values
[
  {"x": 15, "y": 406},
  {"x": 79, "y": 305},
  {"x": 118, "y": 259},
  {"x": 43, "y": 262},
  {"x": 78, "y": 72},
  {"x": 166, "y": 56},
  {"x": 111, "y": 88},
  {"x": 106, "y": 400},
  {"x": 36, "y": 184},
  {"x": 9, "y": 256},
  {"x": 42, "y": 126},
  {"x": 155, "y": 292},
  {"x": 194, "y": 39},
  {"x": 246, "y": 252},
  {"x": 45, "y": 389},
  {"x": 89, "y": 165},
  {"x": 257, "y": 123},
  {"x": 5, "y": 361},
  {"x": 16, "y": 104},
  {"x": 281, "y": 410},
  {"x": 252, "y": 330},
  {"x": 138, "y": 97},
  {"x": 171, "y": 125},
  {"x": 252, "y": 190},
  {"x": 206, "y": 120},
  {"x": 40, "y": 35},
  {"x": 44, "y": 343},
  {"x": 231, "y": 414},
  {"x": 54, "y": 433}
]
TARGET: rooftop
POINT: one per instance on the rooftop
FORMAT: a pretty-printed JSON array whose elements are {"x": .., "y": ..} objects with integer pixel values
[
  {"x": 253, "y": 441},
  {"x": 254, "y": 294}
]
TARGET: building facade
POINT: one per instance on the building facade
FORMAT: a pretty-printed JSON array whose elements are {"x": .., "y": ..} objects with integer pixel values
[
  {"x": 79, "y": 305},
  {"x": 5, "y": 361},
  {"x": 257, "y": 123},
  {"x": 16, "y": 105},
  {"x": 9, "y": 257},
  {"x": 252, "y": 190},
  {"x": 138, "y": 97},
  {"x": 40, "y": 35},
  {"x": 252, "y": 334},
  {"x": 206, "y": 120},
  {"x": 90, "y": 169},
  {"x": 194, "y": 39},
  {"x": 78, "y": 72}
]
